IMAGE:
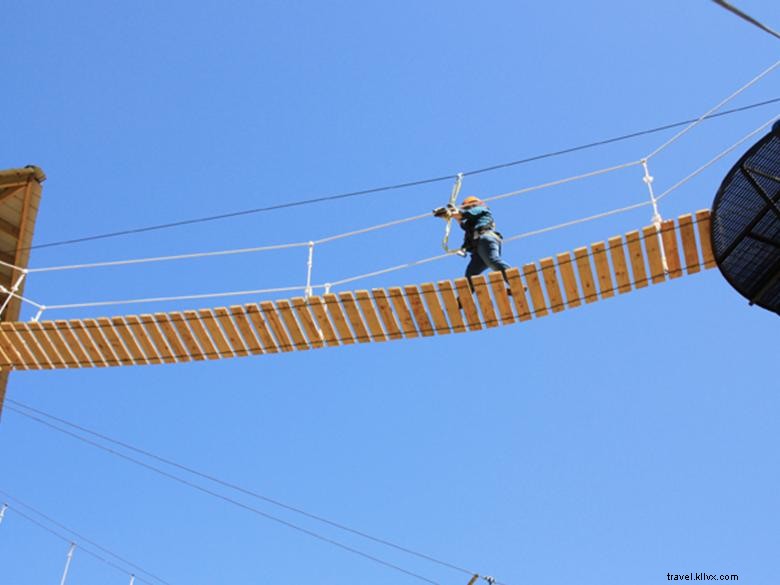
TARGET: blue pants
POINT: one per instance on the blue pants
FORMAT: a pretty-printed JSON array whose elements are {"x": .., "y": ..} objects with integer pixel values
[{"x": 486, "y": 254}]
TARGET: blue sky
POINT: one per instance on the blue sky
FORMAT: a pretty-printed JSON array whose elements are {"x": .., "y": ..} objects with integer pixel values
[{"x": 610, "y": 444}]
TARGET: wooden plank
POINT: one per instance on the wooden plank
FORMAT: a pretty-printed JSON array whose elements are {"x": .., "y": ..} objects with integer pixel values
[
  {"x": 617, "y": 252},
  {"x": 179, "y": 351},
  {"x": 209, "y": 350},
  {"x": 285, "y": 310},
  {"x": 163, "y": 349},
  {"x": 188, "y": 339},
  {"x": 386, "y": 313},
  {"x": 256, "y": 317},
  {"x": 233, "y": 337},
  {"x": 8, "y": 356},
  {"x": 13, "y": 343},
  {"x": 603, "y": 273},
  {"x": 283, "y": 340},
  {"x": 134, "y": 349},
  {"x": 72, "y": 341},
  {"x": 402, "y": 310},
  {"x": 142, "y": 336},
  {"x": 480, "y": 285},
  {"x": 565, "y": 263},
  {"x": 653, "y": 250},
  {"x": 371, "y": 316},
  {"x": 29, "y": 341},
  {"x": 95, "y": 356},
  {"x": 117, "y": 348},
  {"x": 705, "y": 237},
  {"x": 669, "y": 239},
  {"x": 355, "y": 319},
  {"x": 39, "y": 337},
  {"x": 447, "y": 293},
  {"x": 435, "y": 309},
  {"x": 69, "y": 360},
  {"x": 637, "y": 258},
  {"x": 586, "y": 275},
  {"x": 424, "y": 324},
  {"x": 317, "y": 306},
  {"x": 535, "y": 288},
  {"x": 518, "y": 294},
  {"x": 551, "y": 284},
  {"x": 245, "y": 328},
  {"x": 339, "y": 320},
  {"x": 466, "y": 300},
  {"x": 308, "y": 321},
  {"x": 688, "y": 236},
  {"x": 499, "y": 286}
]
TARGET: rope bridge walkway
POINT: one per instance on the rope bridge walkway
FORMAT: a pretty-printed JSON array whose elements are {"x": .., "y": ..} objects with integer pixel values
[{"x": 654, "y": 254}]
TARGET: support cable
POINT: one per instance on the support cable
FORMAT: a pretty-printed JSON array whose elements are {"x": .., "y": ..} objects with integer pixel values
[
  {"x": 746, "y": 17},
  {"x": 399, "y": 185},
  {"x": 237, "y": 488}
]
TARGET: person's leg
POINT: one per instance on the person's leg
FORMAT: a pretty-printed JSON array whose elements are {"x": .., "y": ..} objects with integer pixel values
[
  {"x": 476, "y": 264},
  {"x": 489, "y": 249}
]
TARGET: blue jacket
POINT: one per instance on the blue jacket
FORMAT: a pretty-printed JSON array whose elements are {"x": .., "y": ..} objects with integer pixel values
[{"x": 473, "y": 221}]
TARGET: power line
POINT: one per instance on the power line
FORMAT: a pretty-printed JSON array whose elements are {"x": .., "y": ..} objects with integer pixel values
[
  {"x": 228, "y": 499},
  {"x": 371, "y": 191},
  {"x": 746, "y": 17}
]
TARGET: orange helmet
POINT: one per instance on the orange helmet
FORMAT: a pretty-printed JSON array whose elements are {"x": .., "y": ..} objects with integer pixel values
[{"x": 471, "y": 202}]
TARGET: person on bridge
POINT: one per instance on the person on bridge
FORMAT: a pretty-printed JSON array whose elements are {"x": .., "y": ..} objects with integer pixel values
[{"x": 480, "y": 238}]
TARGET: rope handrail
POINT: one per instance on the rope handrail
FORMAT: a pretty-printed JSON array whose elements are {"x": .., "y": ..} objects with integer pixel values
[{"x": 325, "y": 240}]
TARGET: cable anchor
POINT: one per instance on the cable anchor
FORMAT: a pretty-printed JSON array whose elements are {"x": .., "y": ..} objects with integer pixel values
[{"x": 39, "y": 314}]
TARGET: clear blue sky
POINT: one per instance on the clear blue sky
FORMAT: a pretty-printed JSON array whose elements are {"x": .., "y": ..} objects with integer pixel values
[{"x": 611, "y": 444}]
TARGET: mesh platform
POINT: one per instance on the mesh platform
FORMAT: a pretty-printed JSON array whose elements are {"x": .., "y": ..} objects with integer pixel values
[{"x": 746, "y": 224}]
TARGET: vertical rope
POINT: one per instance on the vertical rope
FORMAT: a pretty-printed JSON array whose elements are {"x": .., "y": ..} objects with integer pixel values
[
  {"x": 67, "y": 563},
  {"x": 2, "y": 512},
  {"x": 657, "y": 219},
  {"x": 453, "y": 198},
  {"x": 308, "y": 291}
]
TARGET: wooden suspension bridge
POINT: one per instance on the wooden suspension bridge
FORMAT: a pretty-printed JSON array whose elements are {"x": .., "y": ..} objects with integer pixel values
[{"x": 619, "y": 265}]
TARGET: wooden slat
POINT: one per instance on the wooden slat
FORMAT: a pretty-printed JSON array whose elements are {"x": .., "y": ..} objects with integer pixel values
[
  {"x": 142, "y": 336},
  {"x": 68, "y": 357},
  {"x": 39, "y": 337},
  {"x": 27, "y": 359},
  {"x": 354, "y": 316},
  {"x": 402, "y": 310},
  {"x": 565, "y": 263},
  {"x": 688, "y": 237},
  {"x": 9, "y": 359},
  {"x": 101, "y": 342},
  {"x": 188, "y": 339},
  {"x": 535, "y": 288},
  {"x": 256, "y": 317},
  {"x": 435, "y": 309},
  {"x": 371, "y": 316},
  {"x": 246, "y": 330},
  {"x": 72, "y": 341},
  {"x": 116, "y": 345},
  {"x": 499, "y": 286},
  {"x": 134, "y": 349},
  {"x": 336, "y": 313},
  {"x": 586, "y": 275},
  {"x": 451, "y": 304},
  {"x": 518, "y": 294},
  {"x": 669, "y": 238},
  {"x": 418, "y": 310},
  {"x": 466, "y": 299},
  {"x": 209, "y": 350},
  {"x": 232, "y": 335},
  {"x": 386, "y": 313},
  {"x": 317, "y": 306},
  {"x": 480, "y": 285},
  {"x": 617, "y": 252},
  {"x": 79, "y": 328},
  {"x": 637, "y": 258},
  {"x": 650, "y": 236},
  {"x": 606, "y": 286},
  {"x": 551, "y": 284},
  {"x": 179, "y": 351},
  {"x": 705, "y": 237},
  {"x": 283, "y": 340},
  {"x": 163, "y": 349},
  {"x": 307, "y": 320},
  {"x": 23, "y": 330},
  {"x": 285, "y": 310}
]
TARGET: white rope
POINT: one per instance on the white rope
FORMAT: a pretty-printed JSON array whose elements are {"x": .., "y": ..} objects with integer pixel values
[
  {"x": 392, "y": 269},
  {"x": 169, "y": 258},
  {"x": 685, "y": 130},
  {"x": 11, "y": 293},
  {"x": 712, "y": 161},
  {"x": 67, "y": 563},
  {"x": 177, "y": 298},
  {"x": 361, "y": 231}
]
